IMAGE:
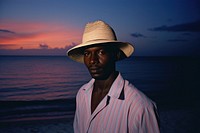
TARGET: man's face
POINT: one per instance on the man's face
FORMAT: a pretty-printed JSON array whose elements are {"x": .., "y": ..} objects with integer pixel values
[{"x": 100, "y": 61}]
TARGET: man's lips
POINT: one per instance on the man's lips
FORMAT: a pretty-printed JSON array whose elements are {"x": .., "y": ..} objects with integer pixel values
[{"x": 94, "y": 69}]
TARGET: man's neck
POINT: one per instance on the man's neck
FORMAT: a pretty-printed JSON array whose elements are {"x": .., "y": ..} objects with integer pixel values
[{"x": 105, "y": 85}]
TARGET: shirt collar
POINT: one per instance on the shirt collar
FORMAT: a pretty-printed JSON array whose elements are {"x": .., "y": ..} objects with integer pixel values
[{"x": 116, "y": 90}]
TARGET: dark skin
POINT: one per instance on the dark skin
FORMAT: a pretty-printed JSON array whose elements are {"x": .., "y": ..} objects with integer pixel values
[{"x": 100, "y": 61}]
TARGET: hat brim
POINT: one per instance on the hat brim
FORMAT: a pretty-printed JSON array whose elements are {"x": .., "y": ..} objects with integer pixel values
[{"x": 77, "y": 53}]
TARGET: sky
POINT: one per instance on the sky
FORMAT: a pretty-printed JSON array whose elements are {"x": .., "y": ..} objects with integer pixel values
[{"x": 50, "y": 27}]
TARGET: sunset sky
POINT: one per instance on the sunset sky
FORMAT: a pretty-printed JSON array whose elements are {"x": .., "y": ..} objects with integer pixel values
[{"x": 154, "y": 27}]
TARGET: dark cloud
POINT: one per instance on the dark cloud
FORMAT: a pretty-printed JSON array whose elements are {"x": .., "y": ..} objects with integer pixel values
[
  {"x": 137, "y": 35},
  {"x": 185, "y": 27},
  {"x": 43, "y": 46},
  {"x": 3, "y": 46},
  {"x": 67, "y": 47},
  {"x": 177, "y": 40},
  {"x": 6, "y": 31},
  {"x": 187, "y": 34},
  {"x": 32, "y": 52},
  {"x": 9, "y": 35}
]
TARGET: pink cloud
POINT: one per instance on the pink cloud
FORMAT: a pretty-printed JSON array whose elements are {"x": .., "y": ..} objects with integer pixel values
[{"x": 30, "y": 34}]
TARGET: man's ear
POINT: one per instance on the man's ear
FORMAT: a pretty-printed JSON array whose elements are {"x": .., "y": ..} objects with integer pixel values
[{"x": 120, "y": 55}]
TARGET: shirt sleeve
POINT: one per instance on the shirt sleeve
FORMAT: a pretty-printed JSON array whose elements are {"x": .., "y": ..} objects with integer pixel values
[
  {"x": 144, "y": 120},
  {"x": 76, "y": 123}
]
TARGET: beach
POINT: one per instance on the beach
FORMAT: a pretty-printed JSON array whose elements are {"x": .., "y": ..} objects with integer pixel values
[{"x": 49, "y": 126}]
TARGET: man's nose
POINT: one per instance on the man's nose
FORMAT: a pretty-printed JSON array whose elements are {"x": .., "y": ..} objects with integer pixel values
[{"x": 94, "y": 58}]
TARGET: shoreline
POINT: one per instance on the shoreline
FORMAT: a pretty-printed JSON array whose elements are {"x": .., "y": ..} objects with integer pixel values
[{"x": 41, "y": 126}]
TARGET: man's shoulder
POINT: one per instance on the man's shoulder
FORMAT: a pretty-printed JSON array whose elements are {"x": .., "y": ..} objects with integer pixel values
[
  {"x": 86, "y": 87},
  {"x": 135, "y": 96}
]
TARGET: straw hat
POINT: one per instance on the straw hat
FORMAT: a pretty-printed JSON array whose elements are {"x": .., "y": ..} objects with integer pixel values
[{"x": 98, "y": 33}]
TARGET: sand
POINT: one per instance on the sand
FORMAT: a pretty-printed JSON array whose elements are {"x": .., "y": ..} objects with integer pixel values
[{"x": 50, "y": 126}]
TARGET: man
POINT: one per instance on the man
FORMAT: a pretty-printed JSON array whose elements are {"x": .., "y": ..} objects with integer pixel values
[{"x": 108, "y": 103}]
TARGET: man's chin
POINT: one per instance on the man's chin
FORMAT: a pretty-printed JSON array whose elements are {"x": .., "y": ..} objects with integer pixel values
[
  {"x": 95, "y": 76},
  {"x": 99, "y": 76}
]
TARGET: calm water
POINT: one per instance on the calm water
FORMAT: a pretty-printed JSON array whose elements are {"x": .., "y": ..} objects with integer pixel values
[
  {"x": 39, "y": 78},
  {"x": 33, "y": 88}
]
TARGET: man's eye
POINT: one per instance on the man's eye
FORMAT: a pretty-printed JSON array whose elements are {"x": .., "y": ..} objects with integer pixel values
[
  {"x": 86, "y": 54},
  {"x": 101, "y": 52}
]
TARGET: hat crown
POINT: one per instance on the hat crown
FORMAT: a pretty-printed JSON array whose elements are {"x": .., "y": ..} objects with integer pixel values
[{"x": 98, "y": 30}]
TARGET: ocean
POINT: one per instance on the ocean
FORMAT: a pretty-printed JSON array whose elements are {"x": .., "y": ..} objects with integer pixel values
[{"x": 36, "y": 88}]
